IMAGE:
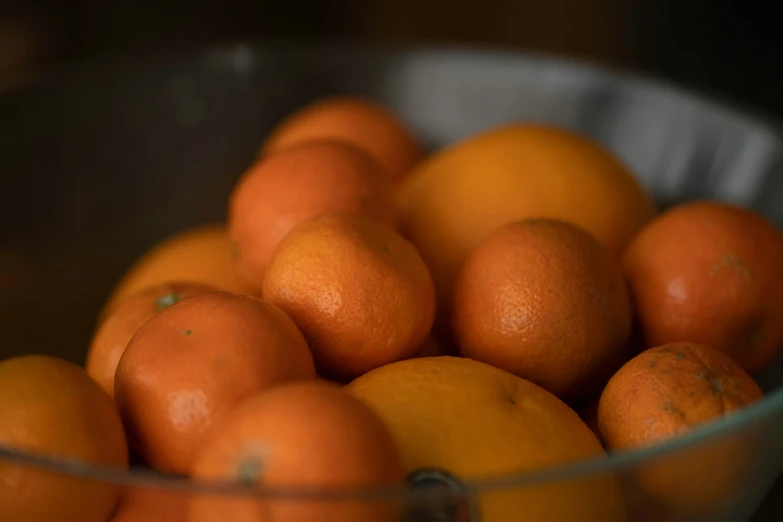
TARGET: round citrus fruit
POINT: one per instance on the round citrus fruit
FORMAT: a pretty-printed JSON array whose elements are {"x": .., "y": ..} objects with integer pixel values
[
  {"x": 300, "y": 437},
  {"x": 362, "y": 122},
  {"x": 124, "y": 319},
  {"x": 544, "y": 300},
  {"x": 298, "y": 183},
  {"x": 191, "y": 363},
  {"x": 453, "y": 200},
  {"x": 711, "y": 273},
  {"x": 661, "y": 394},
  {"x": 472, "y": 421},
  {"x": 202, "y": 255},
  {"x": 359, "y": 291},
  {"x": 52, "y": 408}
]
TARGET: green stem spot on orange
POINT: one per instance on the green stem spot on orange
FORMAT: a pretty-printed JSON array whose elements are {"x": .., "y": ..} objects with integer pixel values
[
  {"x": 249, "y": 471},
  {"x": 167, "y": 300}
]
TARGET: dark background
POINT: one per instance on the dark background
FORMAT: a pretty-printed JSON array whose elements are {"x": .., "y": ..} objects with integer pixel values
[{"x": 731, "y": 48}]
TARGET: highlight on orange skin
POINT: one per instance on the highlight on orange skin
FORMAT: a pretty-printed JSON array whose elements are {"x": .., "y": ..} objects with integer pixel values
[
  {"x": 192, "y": 363},
  {"x": 123, "y": 321}
]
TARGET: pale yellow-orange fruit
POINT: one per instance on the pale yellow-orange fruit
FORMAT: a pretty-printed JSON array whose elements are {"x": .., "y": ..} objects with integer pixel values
[{"x": 454, "y": 199}]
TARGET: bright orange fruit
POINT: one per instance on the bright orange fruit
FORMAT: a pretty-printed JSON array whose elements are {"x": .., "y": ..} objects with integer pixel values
[
  {"x": 304, "y": 436},
  {"x": 52, "y": 408},
  {"x": 359, "y": 291},
  {"x": 191, "y": 363}
]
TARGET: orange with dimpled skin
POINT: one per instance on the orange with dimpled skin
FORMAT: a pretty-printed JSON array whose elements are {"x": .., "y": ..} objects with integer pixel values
[
  {"x": 663, "y": 393},
  {"x": 544, "y": 300},
  {"x": 455, "y": 198},
  {"x": 358, "y": 290},
  {"x": 301, "y": 182},
  {"x": 118, "y": 327},
  {"x": 194, "y": 361},
  {"x": 712, "y": 273}
]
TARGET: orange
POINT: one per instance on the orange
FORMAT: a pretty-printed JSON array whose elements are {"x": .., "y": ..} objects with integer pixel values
[
  {"x": 52, "y": 408},
  {"x": 299, "y": 437},
  {"x": 362, "y": 122},
  {"x": 298, "y": 183},
  {"x": 544, "y": 300},
  {"x": 124, "y": 319},
  {"x": 191, "y": 363},
  {"x": 711, "y": 273},
  {"x": 661, "y": 394},
  {"x": 453, "y": 200},
  {"x": 668, "y": 389},
  {"x": 359, "y": 291},
  {"x": 474, "y": 421},
  {"x": 202, "y": 255},
  {"x": 150, "y": 505}
]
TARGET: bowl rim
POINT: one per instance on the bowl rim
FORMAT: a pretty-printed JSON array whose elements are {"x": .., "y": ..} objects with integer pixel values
[
  {"x": 222, "y": 55},
  {"x": 599, "y": 465}
]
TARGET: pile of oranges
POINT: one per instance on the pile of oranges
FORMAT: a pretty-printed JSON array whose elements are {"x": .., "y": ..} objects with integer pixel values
[{"x": 370, "y": 315}]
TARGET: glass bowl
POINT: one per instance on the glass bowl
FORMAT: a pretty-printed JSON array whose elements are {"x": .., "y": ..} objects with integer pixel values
[{"x": 101, "y": 162}]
